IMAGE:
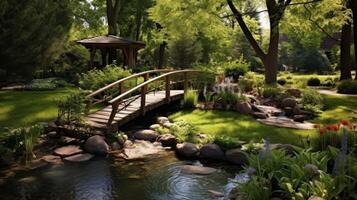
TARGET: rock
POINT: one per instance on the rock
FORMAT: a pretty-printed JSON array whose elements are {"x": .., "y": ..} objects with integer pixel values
[
  {"x": 270, "y": 110},
  {"x": 244, "y": 108},
  {"x": 116, "y": 146},
  {"x": 216, "y": 193},
  {"x": 312, "y": 169},
  {"x": 68, "y": 150},
  {"x": 68, "y": 140},
  {"x": 52, "y": 159},
  {"x": 288, "y": 148},
  {"x": 168, "y": 124},
  {"x": 168, "y": 140},
  {"x": 294, "y": 92},
  {"x": 52, "y": 134},
  {"x": 128, "y": 143},
  {"x": 260, "y": 115},
  {"x": 301, "y": 118},
  {"x": 252, "y": 99},
  {"x": 36, "y": 164},
  {"x": 194, "y": 169},
  {"x": 96, "y": 145},
  {"x": 146, "y": 134},
  {"x": 289, "y": 111},
  {"x": 155, "y": 126},
  {"x": 162, "y": 120},
  {"x": 316, "y": 198},
  {"x": 79, "y": 157},
  {"x": 187, "y": 149},
  {"x": 237, "y": 157},
  {"x": 140, "y": 149},
  {"x": 51, "y": 126},
  {"x": 288, "y": 102},
  {"x": 28, "y": 180},
  {"x": 211, "y": 152}
]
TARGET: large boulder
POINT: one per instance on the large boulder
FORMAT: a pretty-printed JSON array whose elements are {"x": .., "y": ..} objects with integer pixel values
[
  {"x": 96, "y": 145},
  {"x": 237, "y": 157},
  {"x": 146, "y": 134},
  {"x": 187, "y": 150},
  {"x": 301, "y": 118},
  {"x": 288, "y": 102},
  {"x": 168, "y": 140},
  {"x": 294, "y": 92},
  {"x": 155, "y": 126},
  {"x": 211, "y": 152},
  {"x": 244, "y": 108},
  {"x": 260, "y": 115},
  {"x": 162, "y": 120}
]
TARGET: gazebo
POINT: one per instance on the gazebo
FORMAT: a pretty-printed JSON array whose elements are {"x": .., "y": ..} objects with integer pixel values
[{"x": 109, "y": 43}]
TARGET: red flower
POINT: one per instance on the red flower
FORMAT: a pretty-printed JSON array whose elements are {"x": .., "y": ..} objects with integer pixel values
[
  {"x": 350, "y": 127},
  {"x": 345, "y": 122},
  {"x": 322, "y": 131}
]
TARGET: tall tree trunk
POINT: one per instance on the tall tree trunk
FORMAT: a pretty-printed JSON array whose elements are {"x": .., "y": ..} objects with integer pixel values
[
  {"x": 353, "y": 6},
  {"x": 271, "y": 59},
  {"x": 162, "y": 54},
  {"x": 112, "y": 17},
  {"x": 345, "y": 57},
  {"x": 138, "y": 25}
]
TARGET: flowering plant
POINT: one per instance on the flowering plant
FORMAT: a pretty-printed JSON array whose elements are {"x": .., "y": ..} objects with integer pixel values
[{"x": 331, "y": 135}]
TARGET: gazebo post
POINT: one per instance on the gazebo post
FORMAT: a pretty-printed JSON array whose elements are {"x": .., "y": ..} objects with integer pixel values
[
  {"x": 92, "y": 55},
  {"x": 104, "y": 57}
]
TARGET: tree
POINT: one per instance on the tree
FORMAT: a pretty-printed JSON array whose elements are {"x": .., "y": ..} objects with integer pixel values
[
  {"x": 353, "y": 6},
  {"x": 112, "y": 15},
  {"x": 32, "y": 33},
  {"x": 269, "y": 59}
]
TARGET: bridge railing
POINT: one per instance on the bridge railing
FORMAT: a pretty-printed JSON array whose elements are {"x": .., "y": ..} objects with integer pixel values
[
  {"x": 91, "y": 99},
  {"x": 143, "y": 88}
]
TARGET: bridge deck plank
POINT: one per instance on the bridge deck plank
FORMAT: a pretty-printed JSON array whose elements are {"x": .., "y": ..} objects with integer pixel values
[{"x": 100, "y": 118}]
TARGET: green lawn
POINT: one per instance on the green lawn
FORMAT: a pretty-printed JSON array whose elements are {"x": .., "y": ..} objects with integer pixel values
[
  {"x": 247, "y": 128},
  {"x": 20, "y": 108}
]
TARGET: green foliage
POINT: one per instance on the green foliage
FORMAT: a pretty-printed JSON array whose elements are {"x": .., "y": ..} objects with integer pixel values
[
  {"x": 312, "y": 100},
  {"x": 236, "y": 68},
  {"x": 25, "y": 138},
  {"x": 33, "y": 34},
  {"x": 347, "y": 87},
  {"x": 281, "y": 81},
  {"x": 226, "y": 142},
  {"x": 313, "y": 81},
  {"x": 190, "y": 99},
  {"x": 270, "y": 91},
  {"x": 256, "y": 188},
  {"x": 71, "y": 109},
  {"x": 184, "y": 131},
  {"x": 46, "y": 84},
  {"x": 183, "y": 52},
  {"x": 95, "y": 79}
]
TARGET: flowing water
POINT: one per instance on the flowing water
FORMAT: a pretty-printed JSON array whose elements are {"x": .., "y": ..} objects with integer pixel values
[{"x": 158, "y": 178}]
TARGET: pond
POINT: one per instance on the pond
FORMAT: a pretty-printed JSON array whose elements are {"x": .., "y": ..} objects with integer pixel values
[{"x": 157, "y": 178}]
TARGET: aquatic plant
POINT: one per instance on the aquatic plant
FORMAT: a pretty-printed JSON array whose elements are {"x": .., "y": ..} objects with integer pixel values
[{"x": 190, "y": 99}]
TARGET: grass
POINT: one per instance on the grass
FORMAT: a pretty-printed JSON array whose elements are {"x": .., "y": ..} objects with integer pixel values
[
  {"x": 21, "y": 108},
  {"x": 246, "y": 128}
]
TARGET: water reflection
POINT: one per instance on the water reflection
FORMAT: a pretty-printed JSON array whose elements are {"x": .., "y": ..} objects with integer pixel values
[{"x": 103, "y": 179}]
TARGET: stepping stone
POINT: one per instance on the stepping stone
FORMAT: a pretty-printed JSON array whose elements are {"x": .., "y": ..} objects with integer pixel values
[
  {"x": 286, "y": 123},
  {"x": 68, "y": 150},
  {"x": 52, "y": 159},
  {"x": 194, "y": 169},
  {"x": 79, "y": 157}
]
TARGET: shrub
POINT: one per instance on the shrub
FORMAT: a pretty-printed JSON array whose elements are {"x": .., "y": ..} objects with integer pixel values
[
  {"x": 347, "y": 87},
  {"x": 46, "y": 84},
  {"x": 281, "y": 81},
  {"x": 289, "y": 77},
  {"x": 71, "y": 109},
  {"x": 312, "y": 101},
  {"x": 190, "y": 99},
  {"x": 236, "y": 68},
  {"x": 329, "y": 82},
  {"x": 269, "y": 91},
  {"x": 95, "y": 79},
  {"x": 313, "y": 81},
  {"x": 226, "y": 142},
  {"x": 184, "y": 131},
  {"x": 246, "y": 85},
  {"x": 228, "y": 98}
]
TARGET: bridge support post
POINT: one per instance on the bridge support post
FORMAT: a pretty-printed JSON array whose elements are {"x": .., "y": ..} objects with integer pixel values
[
  {"x": 143, "y": 95},
  {"x": 185, "y": 83},
  {"x": 167, "y": 89},
  {"x": 115, "y": 107}
]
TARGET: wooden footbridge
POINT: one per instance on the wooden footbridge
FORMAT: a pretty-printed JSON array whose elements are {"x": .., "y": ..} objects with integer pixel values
[{"x": 132, "y": 96}]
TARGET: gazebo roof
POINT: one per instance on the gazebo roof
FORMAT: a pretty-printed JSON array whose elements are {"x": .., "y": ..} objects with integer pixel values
[{"x": 110, "y": 41}]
